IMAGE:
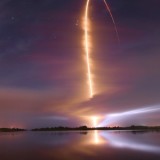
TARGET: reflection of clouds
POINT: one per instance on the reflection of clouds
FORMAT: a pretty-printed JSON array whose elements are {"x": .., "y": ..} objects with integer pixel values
[{"x": 120, "y": 141}]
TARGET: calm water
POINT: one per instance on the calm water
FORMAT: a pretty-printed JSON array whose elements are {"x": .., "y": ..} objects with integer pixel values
[{"x": 92, "y": 145}]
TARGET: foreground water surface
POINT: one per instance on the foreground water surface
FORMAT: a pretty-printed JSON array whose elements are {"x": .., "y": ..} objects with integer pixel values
[{"x": 95, "y": 145}]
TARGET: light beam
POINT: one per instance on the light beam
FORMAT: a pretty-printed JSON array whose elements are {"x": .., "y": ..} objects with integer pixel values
[
  {"x": 94, "y": 119},
  {"x": 110, "y": 118}
]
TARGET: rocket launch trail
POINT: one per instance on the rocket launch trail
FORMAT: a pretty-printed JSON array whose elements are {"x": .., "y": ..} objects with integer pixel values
[
  {"x": 110, "y": 13},
  {"x": 86, "y": 28},
  {"x": 86, "y": 44}
]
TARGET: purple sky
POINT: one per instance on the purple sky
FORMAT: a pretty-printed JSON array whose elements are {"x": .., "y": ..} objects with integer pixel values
[{"x": 43, "y": 76}]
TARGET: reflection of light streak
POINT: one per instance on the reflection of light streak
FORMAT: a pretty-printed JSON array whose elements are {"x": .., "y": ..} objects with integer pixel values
[
  {"x": 110, "y": 13},
  {"x": 86, "y": 25},
  {"x": 122, "y": 142},
  {"x": 96, "y": 137},
  {"x": 113, "y": 117}
]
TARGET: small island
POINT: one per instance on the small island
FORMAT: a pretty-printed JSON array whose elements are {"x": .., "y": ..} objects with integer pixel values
[{"x": 11, "y": 130}]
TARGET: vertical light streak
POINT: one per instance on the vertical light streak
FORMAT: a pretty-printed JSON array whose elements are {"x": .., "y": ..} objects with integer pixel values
[
  {"x": 110, "y": 13},
  {"x": 86, "y": 25}
]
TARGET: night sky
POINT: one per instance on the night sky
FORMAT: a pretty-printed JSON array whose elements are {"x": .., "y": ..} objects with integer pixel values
[{"x": 43, "y": 76}]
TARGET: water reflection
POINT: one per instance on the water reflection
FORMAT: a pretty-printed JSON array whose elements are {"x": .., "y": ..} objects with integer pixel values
[
  {"x": 126, "y": 139},
  {"x": 96, "y": 137},
  {"x": 123, "y": 140},
  {"x": 95, "y": 145}
]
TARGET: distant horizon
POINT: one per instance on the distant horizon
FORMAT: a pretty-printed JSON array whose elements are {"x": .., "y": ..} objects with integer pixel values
[{"x": 84, "y": 126}]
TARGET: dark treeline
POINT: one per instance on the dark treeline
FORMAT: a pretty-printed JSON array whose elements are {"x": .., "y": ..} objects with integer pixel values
[
  {"x": 157, "y": 128},
  {"x": 60, "y": 128},
  {"x": 11, "y": 130},
  {"x": 85, "y": 128}
]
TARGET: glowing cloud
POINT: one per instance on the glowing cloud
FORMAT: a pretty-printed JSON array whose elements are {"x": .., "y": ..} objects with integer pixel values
[{"x": 115, "y": 116}]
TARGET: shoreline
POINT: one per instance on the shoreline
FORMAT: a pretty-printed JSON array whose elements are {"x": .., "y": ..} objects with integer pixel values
[{"x": 85, "y": 128}]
